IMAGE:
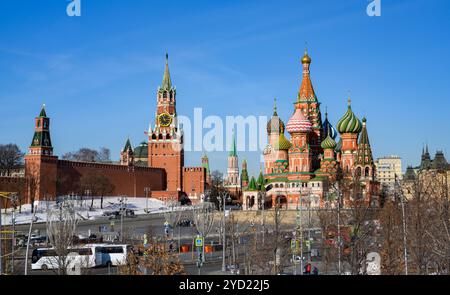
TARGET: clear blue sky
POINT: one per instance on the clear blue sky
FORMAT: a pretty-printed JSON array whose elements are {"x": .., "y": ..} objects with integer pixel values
[{"x": 98, "y": 73}]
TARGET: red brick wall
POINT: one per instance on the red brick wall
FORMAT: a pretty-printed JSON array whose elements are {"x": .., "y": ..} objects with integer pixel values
[
  {"x": 12, "y": 185},
  {"x": 194, "y": 181},
  {"x": 129, "y": 181}
]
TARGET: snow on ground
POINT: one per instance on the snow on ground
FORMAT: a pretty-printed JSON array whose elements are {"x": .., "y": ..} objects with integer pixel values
[{"x": 138, "y": 205}]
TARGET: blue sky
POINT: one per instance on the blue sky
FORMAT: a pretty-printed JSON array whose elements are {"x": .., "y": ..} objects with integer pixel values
[{"x": 98, "y": 73}]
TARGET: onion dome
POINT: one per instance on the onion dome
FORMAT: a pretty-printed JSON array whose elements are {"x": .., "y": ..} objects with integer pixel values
[
  {"x": 275, "y": 125},
  {"x": 349, "y": 123},
  {"x": 298, "y": 123},
  {"x": 329, "y": 143},
  {"x": 328, "y": 129},
  {"x": 283, "y": 143},
  {"x": 306, "y": 59}
]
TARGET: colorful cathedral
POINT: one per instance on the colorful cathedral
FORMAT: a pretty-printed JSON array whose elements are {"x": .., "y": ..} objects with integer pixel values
[{"x": 307, "y": 168}]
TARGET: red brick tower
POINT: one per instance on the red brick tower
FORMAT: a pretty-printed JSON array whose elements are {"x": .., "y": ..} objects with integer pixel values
[
  {"x": 300, "y": 154},
  {"x": 165, "y": 148},
  {"x": 307, "y": 101},
  {"x": 349, "y": 126},
  {"x": 127, "y": 155},
  {"x": 40, "y": 164}
]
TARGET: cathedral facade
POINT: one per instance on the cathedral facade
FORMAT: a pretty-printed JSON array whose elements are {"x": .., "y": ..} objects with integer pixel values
[{"x": 304, "y": 169}]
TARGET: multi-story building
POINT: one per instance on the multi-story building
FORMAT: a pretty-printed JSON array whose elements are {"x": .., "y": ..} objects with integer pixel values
[{"x": 388, "y": 170}]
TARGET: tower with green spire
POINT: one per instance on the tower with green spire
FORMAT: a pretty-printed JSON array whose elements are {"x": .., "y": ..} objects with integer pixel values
[
  {"x": 233, "y": 166},
  {"x": 41, "y": 165},
  {"x": 127, "y": 154},
  {"x": 165, "y": 137},
  {"x": 41, "y": 143}
]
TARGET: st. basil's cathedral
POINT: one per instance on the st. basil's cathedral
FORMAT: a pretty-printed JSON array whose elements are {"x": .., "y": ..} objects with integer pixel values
[{"x": 310, "y": 165}]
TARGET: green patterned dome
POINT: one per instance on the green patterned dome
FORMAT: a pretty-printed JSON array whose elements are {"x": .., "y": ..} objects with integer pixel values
[
  {"x": 283, "y": 143},
  {"x": 349, "y": 123},
  {"x": 328, "y": 143}
]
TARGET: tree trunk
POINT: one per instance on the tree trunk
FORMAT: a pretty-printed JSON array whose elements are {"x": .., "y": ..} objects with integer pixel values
[
  {"x": 101, "y": 203},
  {"x": 92, "y": 203}
]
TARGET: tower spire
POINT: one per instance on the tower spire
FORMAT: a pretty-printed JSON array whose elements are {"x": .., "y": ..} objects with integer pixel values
[
  {"x": 167, "y": 82},
  {"x": 233, "y": 152},
  {"x": 275, "y": 107}
]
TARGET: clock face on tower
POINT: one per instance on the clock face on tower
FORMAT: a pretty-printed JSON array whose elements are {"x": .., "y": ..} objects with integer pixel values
[{"x": 164, "y": 120}]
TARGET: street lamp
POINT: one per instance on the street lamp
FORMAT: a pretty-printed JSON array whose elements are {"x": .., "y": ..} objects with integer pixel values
[
  {"x": 147, "y": 190},
  {"x": 122, "y": 202}
]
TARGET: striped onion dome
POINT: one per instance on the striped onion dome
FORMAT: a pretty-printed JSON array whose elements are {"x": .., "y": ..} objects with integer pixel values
[
  {"x": 283, "y": 143},
  {"x": 349, "y": 123},
  {"x": 329, "y": 143},
  {"x": 298, "y": 123}
]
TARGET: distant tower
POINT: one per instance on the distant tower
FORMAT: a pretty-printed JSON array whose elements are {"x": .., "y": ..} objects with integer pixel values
[
  {"x": 425, "y": 164},
  {"x": 40, "y": 164},
  {"x": 364, "y": 165},
  {"x": 307, "y": 101},
  {"x": 244, "y": 174},
  {"x": 127, "y": 155},
  {"x": 349, "y": 126},
  {"x": 233, "y": 166},
  {"x": 205, "y": 164},
  {"x": 276, "y": 152}
]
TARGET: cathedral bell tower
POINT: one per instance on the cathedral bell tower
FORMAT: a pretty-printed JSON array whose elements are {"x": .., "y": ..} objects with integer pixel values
[{"x": 165, "y": 139}]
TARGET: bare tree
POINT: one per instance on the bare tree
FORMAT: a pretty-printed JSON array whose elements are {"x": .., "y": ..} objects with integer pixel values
[
  {"x": 10, "y": 158},
  {"x": 97, "y": 184},
  {"x": 89, "y": 155},
  {"x": 392, "y": 257},
  {"x": 61, "y": 230}
]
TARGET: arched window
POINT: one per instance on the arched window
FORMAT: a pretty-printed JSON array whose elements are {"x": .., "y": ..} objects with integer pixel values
[
  {"x": 160, "y": 136},
  {"x": 367, "y": 172}
]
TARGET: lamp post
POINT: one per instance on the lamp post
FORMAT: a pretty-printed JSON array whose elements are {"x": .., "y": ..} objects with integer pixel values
[
  {"x": 339, "y": 231},
  {"x": 402, "y": 203},
  {"x": 223, "y": 202},
  {"x": 300, "y": 228},
  {"x": 122, "y": 201},
  {"x": 147, "y": 190}
]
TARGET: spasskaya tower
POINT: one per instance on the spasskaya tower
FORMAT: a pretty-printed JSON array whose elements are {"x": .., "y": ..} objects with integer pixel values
[{"x": 165, "y": 139}]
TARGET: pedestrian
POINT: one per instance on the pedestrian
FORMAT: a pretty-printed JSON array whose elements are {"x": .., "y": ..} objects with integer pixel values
[
  {"x": 315, "y": 271},
  {"x": 308, "y": 269}
]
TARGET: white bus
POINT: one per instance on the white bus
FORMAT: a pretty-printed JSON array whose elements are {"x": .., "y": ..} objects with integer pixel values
[
  {"x": 87, "y": 256},
  {"x": 112, "y": 255},
  {"x": 47, "y": 258}
]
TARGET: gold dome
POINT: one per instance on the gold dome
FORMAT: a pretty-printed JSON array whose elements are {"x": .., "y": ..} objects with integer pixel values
[{"x": 306, "y": 59}]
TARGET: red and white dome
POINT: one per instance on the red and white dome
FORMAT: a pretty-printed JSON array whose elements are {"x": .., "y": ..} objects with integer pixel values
[{"x": 298, "y": 123}]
